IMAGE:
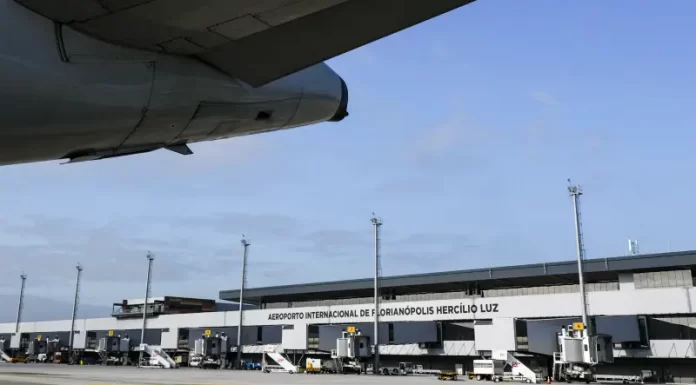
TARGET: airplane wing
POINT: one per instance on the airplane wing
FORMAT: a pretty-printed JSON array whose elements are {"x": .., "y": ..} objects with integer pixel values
[{"x": 257, "y": 41}]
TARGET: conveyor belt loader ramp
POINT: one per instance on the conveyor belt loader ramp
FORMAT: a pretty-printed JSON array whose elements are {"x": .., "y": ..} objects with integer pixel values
[{"x": 272, "y": 352}]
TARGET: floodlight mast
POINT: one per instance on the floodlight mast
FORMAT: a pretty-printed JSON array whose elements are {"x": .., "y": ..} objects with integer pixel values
[
  {"x": 76, "y": 301},
  {"x": 377, "y": 224},
  {"x": 575, "y": 191},
  {"x": 245, "y": 252},
  {"x": 150, "y": 258}
]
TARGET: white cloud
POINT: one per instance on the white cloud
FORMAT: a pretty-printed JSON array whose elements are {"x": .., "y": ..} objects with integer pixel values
[
  {"x": 544, "y": 98},
  {"x": 196, "y": 255},
  {"x": 456, "y": 143},
  {"x": 38, "y": 309}
]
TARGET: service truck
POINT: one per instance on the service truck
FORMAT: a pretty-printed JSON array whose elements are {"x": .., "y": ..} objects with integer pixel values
[{"x": 492, "y": 370}]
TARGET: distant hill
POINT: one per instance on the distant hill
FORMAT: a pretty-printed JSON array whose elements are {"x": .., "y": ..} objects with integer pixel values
[{"x": 44, "y": 309}]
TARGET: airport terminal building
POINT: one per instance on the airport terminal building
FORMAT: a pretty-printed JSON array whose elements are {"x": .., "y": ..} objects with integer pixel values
[{"x": 645, "y": 302}]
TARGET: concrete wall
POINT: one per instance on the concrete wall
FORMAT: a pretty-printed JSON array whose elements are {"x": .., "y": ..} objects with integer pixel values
[
  {"x": 295, "y": 337},
  {"x": 495, "y": 334},
  {"x": 413, "y": 322},
  {"x": 629, "y": 302},
  {"x": 624, "y": 281},
  {"x": 657, "y": 279}
]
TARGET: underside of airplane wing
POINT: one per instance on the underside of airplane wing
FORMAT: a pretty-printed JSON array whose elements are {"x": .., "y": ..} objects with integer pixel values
[{"x": 257, "y": 41}]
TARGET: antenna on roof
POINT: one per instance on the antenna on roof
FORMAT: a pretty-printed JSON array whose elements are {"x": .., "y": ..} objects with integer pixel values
[{"x": 633, "y": 247}]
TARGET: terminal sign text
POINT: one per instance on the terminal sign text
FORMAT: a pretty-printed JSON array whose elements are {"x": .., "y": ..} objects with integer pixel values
[{"x": 388, "y": 311}]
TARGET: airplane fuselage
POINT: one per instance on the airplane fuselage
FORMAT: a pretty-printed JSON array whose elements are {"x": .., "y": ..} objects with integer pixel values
[{"x": 65, "y": 95}]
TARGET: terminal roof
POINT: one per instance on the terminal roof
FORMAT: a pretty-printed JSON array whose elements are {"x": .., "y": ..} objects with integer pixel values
[{"x": 539, "y": 274}]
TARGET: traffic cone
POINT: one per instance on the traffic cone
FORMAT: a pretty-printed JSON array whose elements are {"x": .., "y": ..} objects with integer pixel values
[{"x": 548, "y": 379}]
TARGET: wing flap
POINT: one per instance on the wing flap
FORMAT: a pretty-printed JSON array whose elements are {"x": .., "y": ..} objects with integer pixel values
[
  {"x": 290, "y": 47},
  {"x": 257, "y": 41}
]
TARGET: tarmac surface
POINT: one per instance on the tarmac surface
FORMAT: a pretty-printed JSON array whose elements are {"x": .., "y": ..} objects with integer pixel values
[{"x": 56, "y": 374}]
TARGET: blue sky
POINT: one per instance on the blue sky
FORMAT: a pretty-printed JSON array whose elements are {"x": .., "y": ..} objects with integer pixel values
[{"x": 462, "y": 133}]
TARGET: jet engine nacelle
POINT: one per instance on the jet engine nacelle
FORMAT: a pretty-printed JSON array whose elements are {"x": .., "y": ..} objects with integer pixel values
[{"x": 67, "y": 95}]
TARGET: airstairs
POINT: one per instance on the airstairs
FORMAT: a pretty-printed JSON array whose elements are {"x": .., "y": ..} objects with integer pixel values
[
  {"x": 158, "y": 357},
  {"x": 4, "y": 356},
  {"x": 520, "y": 369},
  {"x": 272, "y": 351}
]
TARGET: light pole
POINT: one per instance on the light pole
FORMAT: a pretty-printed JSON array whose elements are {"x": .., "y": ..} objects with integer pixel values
[
  {"x": 150, "y": 258},
  {"x": 376, "y": 223},
  {"x": 575, "y": 192},
  {"x": 20, "y": 305},
  {"x": 74, "y": 311},
  {"x": 245, "y": 251}
]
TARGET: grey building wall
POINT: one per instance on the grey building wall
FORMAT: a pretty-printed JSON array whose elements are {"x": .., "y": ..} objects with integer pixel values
[
  {"x": 232, "y": 306},
  {"x": 541, "y": 334},
  {"x": 672, "y": 328},
  {"x": 507, "y": 292},
  {"x": 413, "y": 332},
  {"x": 389, "y": 333},
  {"x": 272, "y": 334},
  {"x": 329, "y": 333},
  {"x": 556, "y": 289},
  {"x": 621, "y": 328},
  {"x": 458, "y": 331},
  {"x": 251, "y": 335},
  {"x": 661, "y": 279},
  {"x": 152, "y": 336},
  {"x": 672, "y": 278}
]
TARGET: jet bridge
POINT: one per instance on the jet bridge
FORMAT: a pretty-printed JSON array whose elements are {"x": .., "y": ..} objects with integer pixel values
[
  {"x": 114, "y": 350},
  {"x": 211, "y": 351}
]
